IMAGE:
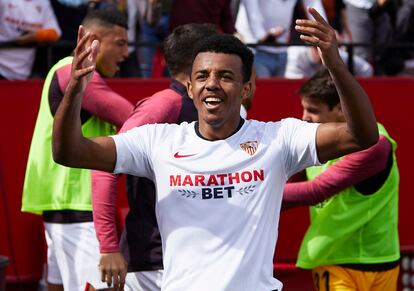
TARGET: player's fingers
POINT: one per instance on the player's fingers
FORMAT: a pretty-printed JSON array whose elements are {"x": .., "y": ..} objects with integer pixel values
[
  {"x": 108, "y": 279},
  {"x": 311, "y": 27},
  {"x": 103, "y": 274},
  {"x": 311, "y": 40},
  {"x": 81, "y": 31},
  {"x": 83, "y": 72},
  {"x": 94, "y": 50},
  {"x": 318, "y": 39},
  {"x": 122, "y": 277},
  {"x": 316, "y": 15},
  {"x": 115, "y": 278},
  {"x": 81, "y": 43},
  {"x": 80, "y": 58}
]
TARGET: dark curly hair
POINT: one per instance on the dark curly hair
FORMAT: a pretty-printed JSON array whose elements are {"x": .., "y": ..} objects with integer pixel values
[
  {"x": 229, "y": 44},
  {"x": 105, "y": 17},
  {"x": 179, "y": 45},
  {"x": 320, "y": 87}
]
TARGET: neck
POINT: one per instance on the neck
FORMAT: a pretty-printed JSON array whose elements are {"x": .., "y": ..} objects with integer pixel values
[{"x": 210, "y": 132}]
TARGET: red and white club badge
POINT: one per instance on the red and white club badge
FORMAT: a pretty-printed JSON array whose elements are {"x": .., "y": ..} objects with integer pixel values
[{"x": 250, "y": 147}]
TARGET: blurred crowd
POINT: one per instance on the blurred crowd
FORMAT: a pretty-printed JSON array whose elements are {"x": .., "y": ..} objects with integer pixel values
[{"x": 376, "y": 35}]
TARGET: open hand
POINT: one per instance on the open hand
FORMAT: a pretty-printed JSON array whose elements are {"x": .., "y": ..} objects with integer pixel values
[
  {"x": 84, "y": 60},
  {"x": 319, "y": 33}
]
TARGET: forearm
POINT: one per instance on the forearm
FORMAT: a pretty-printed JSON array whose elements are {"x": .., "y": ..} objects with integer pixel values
[
  {"x": 67, "y": 133},
  {"x": 104, "y": 203},
  {"x": 302, "y": 194},
  {"x": 356, "y": 107}
]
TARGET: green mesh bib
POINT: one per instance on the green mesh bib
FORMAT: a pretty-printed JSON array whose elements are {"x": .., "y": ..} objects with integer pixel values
[
  {"x": 352, "y": 228},
  {"x": 47, "y": 185}
]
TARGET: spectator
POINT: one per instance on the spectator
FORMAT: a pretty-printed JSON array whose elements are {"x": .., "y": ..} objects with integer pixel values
[
  {"x": 219, "y": 180},
  {"x": 336, "y": 15},
  {"x": 69, "y": 15},
  {"x": 24, "y": 23},
  {"x": 155, "y": 27},
  {"x": 304, "y": 61},
  {"x": 352, "y": 241},
  {"x": 218, "y": 12},
  {"x": 268, "y": 22},
  {"x": 370, "y": 23},
  {"x": 63, "y": 195},
  {"x": 234, "y": 7},
  {"x": 130, "y": 68},
  {"x": 404, "y": 29}
]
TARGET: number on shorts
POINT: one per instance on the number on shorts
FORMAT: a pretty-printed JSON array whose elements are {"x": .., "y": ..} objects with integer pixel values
[{"x": 325, "y": 276}]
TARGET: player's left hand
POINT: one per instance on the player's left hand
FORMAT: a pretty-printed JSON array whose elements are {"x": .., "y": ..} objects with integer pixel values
[{"x": 319, "y": 33}]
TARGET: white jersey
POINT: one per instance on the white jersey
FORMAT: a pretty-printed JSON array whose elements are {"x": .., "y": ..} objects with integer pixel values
[{"x": 218, "y": 202}]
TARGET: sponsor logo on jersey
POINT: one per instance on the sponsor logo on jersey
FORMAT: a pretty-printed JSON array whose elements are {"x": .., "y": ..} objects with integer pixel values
[
  {"x": 250, "y": 147},
  {"x": 217, "y": 186}
]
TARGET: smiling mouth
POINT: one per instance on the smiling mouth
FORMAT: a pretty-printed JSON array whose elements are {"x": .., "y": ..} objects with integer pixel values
[{"x": 213, "y": 101}]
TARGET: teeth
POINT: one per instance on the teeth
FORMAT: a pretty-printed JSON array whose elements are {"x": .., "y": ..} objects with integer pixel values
[{"x": 213, "y": 99}]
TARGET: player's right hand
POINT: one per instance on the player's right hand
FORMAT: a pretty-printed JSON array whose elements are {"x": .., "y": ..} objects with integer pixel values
[{"x": 84, "y": 61}]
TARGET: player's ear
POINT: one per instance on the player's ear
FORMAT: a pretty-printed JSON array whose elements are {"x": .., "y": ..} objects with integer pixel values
[
  {"x": 247, "y": 90},
  {"x": 189, "y": 89}
]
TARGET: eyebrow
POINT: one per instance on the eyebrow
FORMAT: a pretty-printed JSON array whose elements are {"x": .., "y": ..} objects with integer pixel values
[{"x": 224, "y": 71}]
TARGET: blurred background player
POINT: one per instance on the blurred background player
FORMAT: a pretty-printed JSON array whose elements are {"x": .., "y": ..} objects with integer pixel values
[
  {"x": 63, "y": 195},
  {"x": 352, "y": 242}
]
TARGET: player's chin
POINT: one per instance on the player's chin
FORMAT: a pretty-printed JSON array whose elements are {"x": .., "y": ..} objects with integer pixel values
[{"x": 215, "y": 121}]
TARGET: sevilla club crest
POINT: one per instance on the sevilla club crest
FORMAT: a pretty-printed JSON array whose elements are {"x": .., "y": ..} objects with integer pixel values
[{"x": 250, "y": 147}]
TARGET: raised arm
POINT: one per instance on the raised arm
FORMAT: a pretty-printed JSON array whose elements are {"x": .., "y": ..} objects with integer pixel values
[
  {"x": 360, "y": 130},
  {"x": 70, "y": 147}
]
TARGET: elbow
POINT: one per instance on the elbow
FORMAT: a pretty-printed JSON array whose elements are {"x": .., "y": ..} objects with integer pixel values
[
  {"x": 58, "y": 155},
  {"x": 369, "y": 140}
]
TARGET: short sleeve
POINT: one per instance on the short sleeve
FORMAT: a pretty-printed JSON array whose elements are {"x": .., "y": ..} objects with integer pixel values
[
  {"x": 300, "y": 144},
  {"x": 133, "y": 152}
]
